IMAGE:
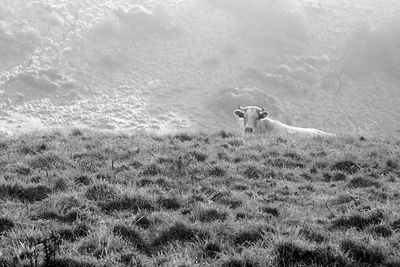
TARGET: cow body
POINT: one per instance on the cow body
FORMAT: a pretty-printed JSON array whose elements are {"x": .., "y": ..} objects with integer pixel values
[{"x": 256, "y": 121}]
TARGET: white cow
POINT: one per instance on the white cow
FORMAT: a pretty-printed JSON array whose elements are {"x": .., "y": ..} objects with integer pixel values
[{"x": 256, "y": 121}]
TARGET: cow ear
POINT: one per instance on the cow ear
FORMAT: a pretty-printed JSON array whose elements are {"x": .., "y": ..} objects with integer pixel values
[
  {"x": 263, "y": 115},
  {"x": 239, "y": 113}
]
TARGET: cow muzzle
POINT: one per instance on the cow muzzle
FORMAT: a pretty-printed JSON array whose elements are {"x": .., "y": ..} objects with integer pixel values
[{"x": 248, "y": 130}]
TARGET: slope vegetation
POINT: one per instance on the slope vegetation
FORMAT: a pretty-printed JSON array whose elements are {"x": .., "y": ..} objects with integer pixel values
[{"x": 80, "y": 198}]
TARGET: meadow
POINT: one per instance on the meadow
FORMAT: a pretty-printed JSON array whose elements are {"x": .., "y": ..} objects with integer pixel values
[{"x": 84, "y": 198}]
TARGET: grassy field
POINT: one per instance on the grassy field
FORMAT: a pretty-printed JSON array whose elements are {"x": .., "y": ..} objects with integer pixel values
[{"x": 80, "y": 198}]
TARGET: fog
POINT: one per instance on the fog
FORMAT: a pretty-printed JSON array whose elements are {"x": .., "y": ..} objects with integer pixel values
[{"x": 167, "y": 66}]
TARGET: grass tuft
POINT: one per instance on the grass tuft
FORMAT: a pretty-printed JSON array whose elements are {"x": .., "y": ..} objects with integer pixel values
[
  {"x": 313, "y": 235},
  {"x": 71, "y": 216},
  {"x": 5, "y": 225},
  {"x": 358, "y": 221},
  {"x": 382, "y": 230},
  {"x": 211, "y": 250},
  {"x": 270, "y": 210},
  {"x": 151, "y": 170},
  {"x": 360, "y": 182},
  {"x": 83, "y": 180},
  {"x": 217, "y": 171},
  {"x": 183, "y": 137},
  {"x": 126, "y": 203},
  {"x": 362, "y": 252},
  {"x": 251, "y": 235},
  {"x": 142, "y": 220},
  {"x": 199, "y": 156},
  {"x": 253, "y": 172},
  {"x": 76, "y": 132},
  {"x": 130, "y": 235},
  {"x": 74, "y": 233},
  {"x": 346, "y": 166},
  {"x": 61, "y": 184},
  {"x": 65, "y": 262},
  {"x": 169, "y": 203},
  {"x": 396, "y": 225},
  {"x": 225, "y": 134},
  {"x": 101, "y": 192},
  {"x": 25, "y": 193},
  {"x": 291, "y": 254},
  {"x": 179, "y": 232},
  {"x": 210, "y": 215}
]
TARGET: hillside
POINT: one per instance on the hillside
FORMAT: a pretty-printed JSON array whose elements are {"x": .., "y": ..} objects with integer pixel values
[
  {"x": 164, "y": 66},
  {"x": 81, "y": 198}
]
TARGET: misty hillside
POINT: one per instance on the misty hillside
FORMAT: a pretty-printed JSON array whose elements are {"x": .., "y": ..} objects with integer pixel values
[{"x": 169, "y": 65}]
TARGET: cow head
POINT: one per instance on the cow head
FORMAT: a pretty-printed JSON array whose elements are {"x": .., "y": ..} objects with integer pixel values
[{"x": 251, "y": 117}]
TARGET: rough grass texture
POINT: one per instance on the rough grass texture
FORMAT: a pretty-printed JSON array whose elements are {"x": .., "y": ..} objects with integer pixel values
[{"x": 90, "y": 199}]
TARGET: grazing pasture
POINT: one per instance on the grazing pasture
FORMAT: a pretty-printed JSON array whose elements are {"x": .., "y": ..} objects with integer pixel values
[{"x": 81, "y": 198}]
